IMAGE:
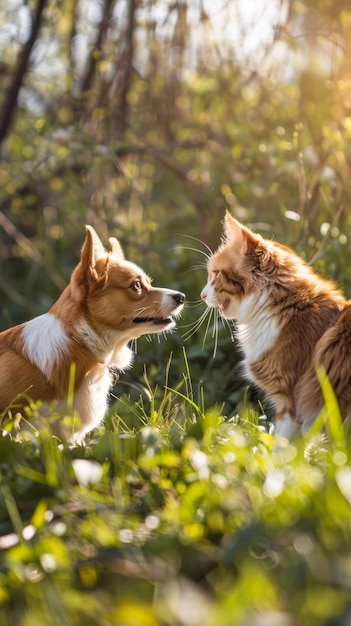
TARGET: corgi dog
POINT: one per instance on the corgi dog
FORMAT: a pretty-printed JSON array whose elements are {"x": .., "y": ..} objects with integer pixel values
[
  {"x": 291, "y": 323},
  {"x": 83, "y": 338}
]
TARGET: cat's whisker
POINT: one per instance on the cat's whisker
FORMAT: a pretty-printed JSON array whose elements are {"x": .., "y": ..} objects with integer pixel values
[
  {"x": 210, "y": 316},
  {"x": 195, "y": 268},
  {"x": 214, "y": 323},
  {"x": 199, "y": 266},
  {"x": 209, "y": 252},
  {"x": 198, "y": 323},
  {"x": 194, "y": 327},
  {"x": 210, "y": 312},
  {"x": 205, "y": 254},
  {"x": 215, "y": 332},
  {"x": 228, "y": 324},
  {"x": 194, "y": 303}
]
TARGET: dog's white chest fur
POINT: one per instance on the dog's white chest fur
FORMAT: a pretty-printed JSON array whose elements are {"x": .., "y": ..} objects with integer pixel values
[
  {"x": 45, "y": 341},
  {"x": 90, "y": 401}
]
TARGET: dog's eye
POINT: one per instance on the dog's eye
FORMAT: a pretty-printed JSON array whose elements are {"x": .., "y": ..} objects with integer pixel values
[{"x": 137, "y": 286}]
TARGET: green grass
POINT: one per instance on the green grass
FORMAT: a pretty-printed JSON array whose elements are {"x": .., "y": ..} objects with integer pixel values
[{"x": 174, "y": 515}]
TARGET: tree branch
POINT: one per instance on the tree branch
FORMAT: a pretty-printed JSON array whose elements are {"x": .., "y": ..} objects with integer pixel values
[
  {"x": 126, "y": 70},
  {"x": 95, "y": 54},
  {"x": 10, "y": 104}
]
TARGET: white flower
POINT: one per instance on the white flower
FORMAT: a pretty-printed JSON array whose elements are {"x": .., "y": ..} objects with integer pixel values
[
  {"x": 87, "y": 472},
  {"x": 343, "y": 480},
  {"x": 199, "y": 462}
]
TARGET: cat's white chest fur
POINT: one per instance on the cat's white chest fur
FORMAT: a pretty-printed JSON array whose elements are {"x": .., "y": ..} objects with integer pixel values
[{"x": 257, "y": 329}]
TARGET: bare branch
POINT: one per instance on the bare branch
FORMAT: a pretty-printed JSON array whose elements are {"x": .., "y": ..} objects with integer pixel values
[
  {"x": 10, "y": 103},
  {"x": 324, "y": 242},
  {"x": 28, "y": 247},
  {"x": 95, "y": 53},
  {"x": 126, "y": 68}
]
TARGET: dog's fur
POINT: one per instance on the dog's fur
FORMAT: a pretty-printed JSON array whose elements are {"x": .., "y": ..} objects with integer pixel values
[
  {"x": 108, "y": 302},
  {"x": 291, "y": 321}
]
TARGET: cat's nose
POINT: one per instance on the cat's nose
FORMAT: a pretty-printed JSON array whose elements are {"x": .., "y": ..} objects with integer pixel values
[{"x": 203, "y": 294}]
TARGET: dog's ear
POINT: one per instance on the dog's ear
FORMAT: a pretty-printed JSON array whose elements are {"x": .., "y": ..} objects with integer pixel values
[
  {"x": 92, "y": 266},
  {"x": 116, "y": 248},
  {"x": 93, "y": 250}
]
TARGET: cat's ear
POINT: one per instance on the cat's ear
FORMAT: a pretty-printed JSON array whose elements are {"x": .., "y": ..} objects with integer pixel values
[{"x": 238, "y": 235}]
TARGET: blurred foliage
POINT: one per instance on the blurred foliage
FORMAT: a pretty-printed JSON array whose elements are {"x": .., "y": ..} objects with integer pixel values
[
  {"x": 147, "y": 119},
  {"x": 177, "y": 518}
]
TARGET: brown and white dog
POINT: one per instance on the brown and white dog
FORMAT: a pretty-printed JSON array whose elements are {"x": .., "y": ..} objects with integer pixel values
[{"x": 108, "y": 302}]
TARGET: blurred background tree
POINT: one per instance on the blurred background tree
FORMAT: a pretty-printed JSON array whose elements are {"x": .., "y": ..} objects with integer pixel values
[{"x": 147, "y": 118}]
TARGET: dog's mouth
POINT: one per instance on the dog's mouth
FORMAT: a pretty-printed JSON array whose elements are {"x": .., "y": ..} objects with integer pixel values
[
  {"x": 156, "y": 321},
  {"x": 159, "y": 322}
]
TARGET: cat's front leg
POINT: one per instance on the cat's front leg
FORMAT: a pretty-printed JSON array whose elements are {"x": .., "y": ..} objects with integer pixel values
[{"x": 286, "y": 426}]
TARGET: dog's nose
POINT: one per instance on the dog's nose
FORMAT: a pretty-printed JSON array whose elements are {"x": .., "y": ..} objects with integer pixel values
[{"x": 179, "y": 297}]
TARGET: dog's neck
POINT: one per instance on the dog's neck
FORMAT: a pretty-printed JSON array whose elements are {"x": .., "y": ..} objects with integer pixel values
[
  {"x": 102, "y": 345},
  {"x": 83, "y": 346}
]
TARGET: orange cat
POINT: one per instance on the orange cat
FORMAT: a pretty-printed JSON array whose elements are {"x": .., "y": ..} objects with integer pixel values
[{"x": 290, "y": 321}]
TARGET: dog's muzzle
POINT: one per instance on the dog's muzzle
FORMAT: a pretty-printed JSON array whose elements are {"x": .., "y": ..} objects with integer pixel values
[{"x": 179, "y": 298}]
